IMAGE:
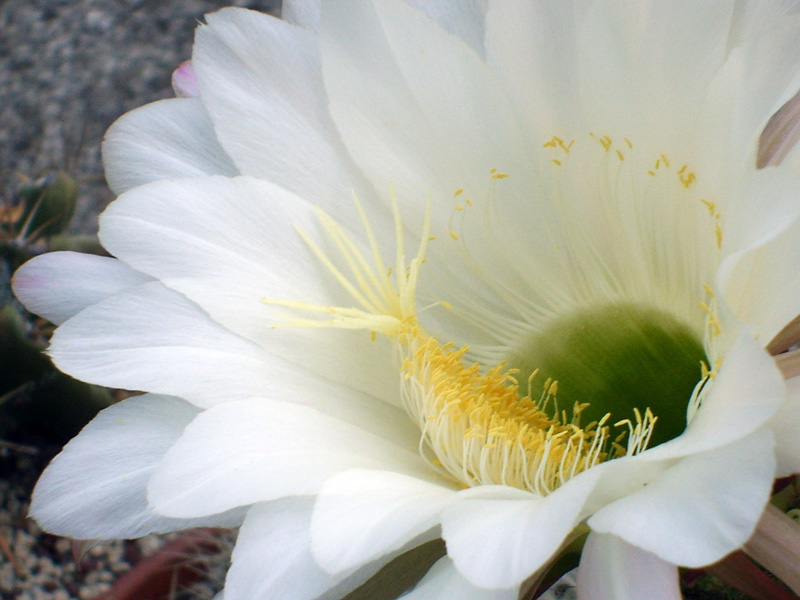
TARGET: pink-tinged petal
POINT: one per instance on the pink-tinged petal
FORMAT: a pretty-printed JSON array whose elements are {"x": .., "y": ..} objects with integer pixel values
[
  {"x": 97, "y": 487},
  {"x": 444, "y": 582},
  {"x": 184, "y": 81},
  {"x": 59, "y": 285},
  {"x": 498, "y": 542},
  {"x": 243, "y": 452},
  {"x": 163, "y": 140},
  {"x": 377, "y": 512},
  {"x": 612, "y": 569},
  {"x": 701, "y": 508}
]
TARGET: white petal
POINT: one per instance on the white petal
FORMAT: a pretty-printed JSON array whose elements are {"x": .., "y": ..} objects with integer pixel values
[
  {"x": 153, "y": 339},
  {"x": 499, "y": 542},
  {"x": 305, "y": 13},
  {"x": 58, "y": 285},
  {"x": 443, "y": 582},
  {"x": 250, "y": 451},
  {"x": 747, "y": 392},
  {"x": 465, "y": 19},
  {"x": 700, "y": 509},
  {"x": 376, "y": 512},
  {"x": 612, "y": 569},
  {"x": 272, "y": 557},
  {"x": 529, "y": 44},
  {"x": 260, "y": 80},
  {"x": 762, "y": 287},
  {"x": 184, "y": 82},
  {"x": 645, "y": 66},
  {"x": 163, "y": 140},
  {"x": 416, "y": 107},
  {"x": 96, "y": 488},
  {"x": 228, "y": 244},
  {"x": 762, "y": 54},
  {"x": 786, "y": 426}
]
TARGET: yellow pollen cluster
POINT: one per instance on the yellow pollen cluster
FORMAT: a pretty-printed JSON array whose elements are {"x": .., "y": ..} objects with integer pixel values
[{"x": 478, "y": 429}]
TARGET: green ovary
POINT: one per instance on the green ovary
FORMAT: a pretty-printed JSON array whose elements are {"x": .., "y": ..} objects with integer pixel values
[{"x": 617, "y": 358}]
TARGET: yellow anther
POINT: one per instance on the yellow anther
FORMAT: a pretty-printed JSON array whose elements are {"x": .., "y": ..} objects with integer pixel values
[
  {"x": 556, "y": 162},
  {"x": 629, "y": 144},
  {"x": 620, "y": 156},
  {"x": 453, "y": 235},
  {"x": 666, "y": 162},
  {"x": 458, "y": 192}
]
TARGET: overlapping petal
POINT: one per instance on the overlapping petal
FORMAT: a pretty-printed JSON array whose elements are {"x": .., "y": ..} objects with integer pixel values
[
  {"x": 61, "y": 284},
  {"x": 612, "y": 569},
  {"x": 164, "y": 140},
  {"x": 97, "y": 487},
  {"x": 265, "y": 446}
]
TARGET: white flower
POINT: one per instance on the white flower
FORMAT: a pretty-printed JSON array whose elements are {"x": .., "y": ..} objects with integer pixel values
[{"x": 588, "y": 172}]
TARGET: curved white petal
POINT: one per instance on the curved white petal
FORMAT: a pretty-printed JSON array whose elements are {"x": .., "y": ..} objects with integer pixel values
[
  {"x": 249, "y": 451},
  {"x": 153, "y": 339},
  {"x": 700, "y": 509},
  {"x": 645, "y": 66},
  {"x": 499, "y": 542},
  {"x": 376, "y": 512},
  {"x": 163, "y": 140},
  {"x": 425, "y": 127},
  {"x": 527, "y": 44},
  {"x": 747, "y": 392},
  {"x": 612, "y": 569},
  {"x": 260, "y": 80},
  {"x": 305, "y": 13},
  {"x": 58, "y": 285},
  {"x": 464, "y": 19},
  {"x": 272, "y": 557},
  {"x": 97, "y": 487},
  {"x": 761, "y": 285},
  {"x": 443, "y": 582},
  {"x": 229, "y": 244}
]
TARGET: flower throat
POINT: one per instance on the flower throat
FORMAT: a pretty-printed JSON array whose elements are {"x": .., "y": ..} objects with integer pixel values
[{"x": 479, "y": 426}]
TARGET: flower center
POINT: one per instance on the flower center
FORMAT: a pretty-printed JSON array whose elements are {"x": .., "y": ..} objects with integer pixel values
[{"x": 617, "y": 359}]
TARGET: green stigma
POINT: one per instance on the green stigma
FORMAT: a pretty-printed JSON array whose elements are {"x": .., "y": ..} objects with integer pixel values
[{"x": 616, "y": 359}]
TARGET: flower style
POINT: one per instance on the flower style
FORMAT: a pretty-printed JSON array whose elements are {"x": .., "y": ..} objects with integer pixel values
[{"x": 505, "y": 276}]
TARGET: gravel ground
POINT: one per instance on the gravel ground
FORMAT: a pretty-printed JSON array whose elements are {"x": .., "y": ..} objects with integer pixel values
[{"x": 69, "y": 68}]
